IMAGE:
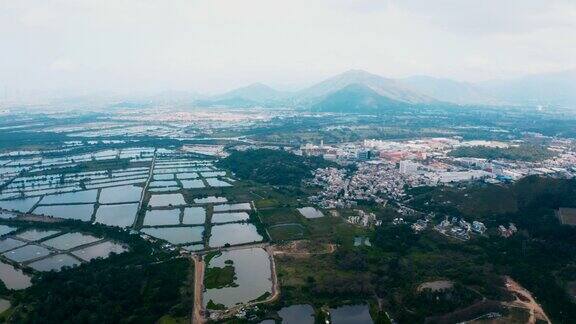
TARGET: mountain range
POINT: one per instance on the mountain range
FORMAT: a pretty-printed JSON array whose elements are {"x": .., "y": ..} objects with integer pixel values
[
  {"x": 256, "y": 94},
  {"x": 361, "y": 91}
]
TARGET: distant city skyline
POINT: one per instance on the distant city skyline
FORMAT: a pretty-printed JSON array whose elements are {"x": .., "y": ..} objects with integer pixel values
[{"x": 86, "y": 47}]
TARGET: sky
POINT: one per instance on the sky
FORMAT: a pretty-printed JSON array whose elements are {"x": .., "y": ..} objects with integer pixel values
[{"x": 209, "y": 46}]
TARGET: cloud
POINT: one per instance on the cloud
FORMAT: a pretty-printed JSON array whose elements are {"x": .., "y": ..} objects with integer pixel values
[
  {"x": 494, "y": 16},
  {"x": 62, "y": 65},
  {"x": 148, "y": 45}
]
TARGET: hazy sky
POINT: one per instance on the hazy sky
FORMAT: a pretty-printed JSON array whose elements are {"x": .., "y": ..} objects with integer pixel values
[{"x": 213, "y": 45}]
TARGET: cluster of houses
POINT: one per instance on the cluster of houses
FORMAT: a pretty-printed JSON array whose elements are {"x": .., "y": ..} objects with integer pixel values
[
  {"x": 420, "y": 225},
  {"x": 459, "y": 228},
  {"x": 364, "y": 219},
  {"x": 370, "y": 182},
  {"x": 506, "y": 232},
  {"x": 429, "y": 162}
]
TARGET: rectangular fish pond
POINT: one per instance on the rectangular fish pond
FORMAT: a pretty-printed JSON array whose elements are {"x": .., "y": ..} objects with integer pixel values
[
  {"x": 117, "y": 215},
  {"x": 176, "y": 235},
  {"x": 233, "y": 234}
]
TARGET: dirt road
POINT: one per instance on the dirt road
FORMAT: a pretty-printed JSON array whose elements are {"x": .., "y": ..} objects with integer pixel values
[
  {"x": 198, "y": 313},
  {"x": 525, "y": 300},
  {"x": 275, "y": 286}
]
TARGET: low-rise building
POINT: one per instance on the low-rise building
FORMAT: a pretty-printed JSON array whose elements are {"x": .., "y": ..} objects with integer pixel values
[{"x": 567, "y": 216}]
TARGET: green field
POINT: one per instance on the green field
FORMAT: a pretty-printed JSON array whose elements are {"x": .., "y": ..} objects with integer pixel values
[
  {"x": 286, "y": 232},
  {"x": 280, "y": 216}
]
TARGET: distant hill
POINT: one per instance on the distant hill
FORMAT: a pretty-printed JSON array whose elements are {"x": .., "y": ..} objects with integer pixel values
[
  {"x": 385, "y": 87},
  {"x": 129, "y": 105},
  {"x": 462, "y": 93},
  {"x": 557, "y": 89},
  {"x": 256, "y": 94},
  {"x": 550, "y": 89},
  {"x": 357, "y": 98},
  {"x": 236, "y": 102}
]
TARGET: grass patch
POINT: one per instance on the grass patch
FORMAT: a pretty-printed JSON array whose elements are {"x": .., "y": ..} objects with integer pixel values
[
  {"x": 280, "y": 216},
  {"x": 211, "y": 255},
  {"x": 286, "y": 232},
  {"x": 217, "y": 277},
  {"x": 266, "y": 203},
  {"x": 212, "y": 305},
  {"x": 262, "y": 297},
  {"x": 318, "y": 279},
  {"x": 5, "y": 315},
  {"x": 167, "y": 319},
  {"x": 332, "y": 227}
]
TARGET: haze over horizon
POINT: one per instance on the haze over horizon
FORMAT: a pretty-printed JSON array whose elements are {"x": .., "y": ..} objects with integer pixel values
[{"x": 80, "y": 47}]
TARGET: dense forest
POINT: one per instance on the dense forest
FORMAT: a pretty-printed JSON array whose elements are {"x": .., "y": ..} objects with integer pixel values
[
  {"x": 541, "y": 257},
  {"x": 522, "y": 153},
  {"x": 275, "y": 167},
  {"x": 138, "y": 286}
]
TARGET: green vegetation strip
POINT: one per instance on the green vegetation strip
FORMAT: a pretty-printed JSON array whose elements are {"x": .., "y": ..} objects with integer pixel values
[
  {"x": 275, "y": 167},
  {"x": 524, "y": 152}
]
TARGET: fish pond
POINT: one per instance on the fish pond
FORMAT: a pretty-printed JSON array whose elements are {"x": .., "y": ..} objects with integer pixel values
[
  {"x": 310, "y": 212},
  {"x": 101, "y": 250},
  {"x": 192, "y": 184},
  {"x": 69, "y": 241},
  {"x": 232, "y": 207},
  {"x": 194, "y": 216},
  {"x": 230, "y": 217},
  {"x": 21, "y": 205},
  {"x": 233, "y": 234},
  {"x": 297, "y": 314},
  {"x": 10, "y": 244},
  {"x": 14, "y": 278},
  {"x": 4, "y": 229},
  {"x": 164, "y": 200},
  {"x": 117, "y": 215},
  {"x": 27, "y": 253},
  {"x": 162, "y": 217},
  {"x": 78, "y": 212},
  {"x": 252, "y": 274},
  {"x": 55, "y": 262},
  {"x": 176, "y": 235},
  {"x": 210, "y": 200},
  {"x": 351, "y": 314},
  {"x": 86, "y": 196},
  {"x": 213, "y": 182},
  {"x": 120, "y": 194},
  {"x": 36, "y": 234}
]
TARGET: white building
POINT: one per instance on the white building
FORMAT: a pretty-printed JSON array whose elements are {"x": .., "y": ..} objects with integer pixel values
[
  {"x": 407, "y": 167},
  {"x": 478, "y": 227}
]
